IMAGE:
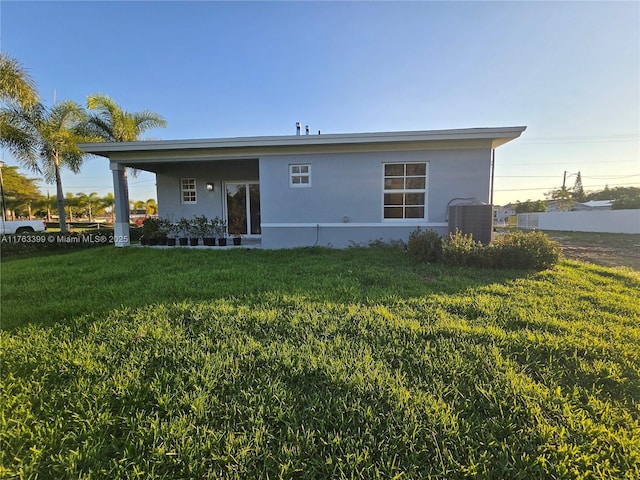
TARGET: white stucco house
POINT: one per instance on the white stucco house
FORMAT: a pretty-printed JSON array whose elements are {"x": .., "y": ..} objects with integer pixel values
[{"x": 303, "y": 190}]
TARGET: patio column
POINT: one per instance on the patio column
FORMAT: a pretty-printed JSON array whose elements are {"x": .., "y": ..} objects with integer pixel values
[{"x": 121, "y": 207}]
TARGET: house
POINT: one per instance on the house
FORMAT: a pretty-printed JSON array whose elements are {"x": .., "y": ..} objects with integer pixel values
[
  {"x": 502, "y": 214},
  {"x": 303, "y": 190}
]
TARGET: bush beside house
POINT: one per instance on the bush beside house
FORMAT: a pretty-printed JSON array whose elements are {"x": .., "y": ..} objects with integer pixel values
[{"x": 513, "y": 250}]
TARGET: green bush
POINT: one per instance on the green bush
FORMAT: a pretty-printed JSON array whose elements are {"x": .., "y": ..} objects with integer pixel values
[
  {"x": 425, "y": 246},
  {"x": 461, "y": 249},
  {"x": 524, "y": 250}
]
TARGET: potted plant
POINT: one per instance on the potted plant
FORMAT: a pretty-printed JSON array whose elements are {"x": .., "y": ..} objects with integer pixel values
[
  {"x": 235, "y": 229},
  {"x": 183, "y": 226},
  {"x": 164, "y": 227},
  {"x": 209, "y": 236},
  {"x": 150, "y": 231},
  {"x": 200, "y": 228},
  {"x": 220, "y": 228},
  {"x": 172, "y": 234},
  {"x": 193, "y": 232}
]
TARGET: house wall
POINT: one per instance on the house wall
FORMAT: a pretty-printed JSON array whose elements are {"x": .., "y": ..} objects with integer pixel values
[
  {"x": 345, "y": 201},
  {"x": 208, "y": 203}
]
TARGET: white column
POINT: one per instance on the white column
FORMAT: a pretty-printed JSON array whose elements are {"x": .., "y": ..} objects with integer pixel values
[{"x": 121, "y": 194}]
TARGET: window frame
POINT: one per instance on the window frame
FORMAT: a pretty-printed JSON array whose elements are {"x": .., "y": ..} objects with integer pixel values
[
  {"x": 299, "y": 175},
  {"x": 189, "y": 191},
  {"x": 404, "y": 191}
]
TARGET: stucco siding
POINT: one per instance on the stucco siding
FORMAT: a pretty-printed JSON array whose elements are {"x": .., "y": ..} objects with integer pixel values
[
  {"x": 208, "y": 203},
  {"x": 347, "y": 188}
]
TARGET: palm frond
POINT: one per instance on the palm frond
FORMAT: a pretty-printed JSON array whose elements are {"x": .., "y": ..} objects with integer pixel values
[{"x": 16, "y": 85}]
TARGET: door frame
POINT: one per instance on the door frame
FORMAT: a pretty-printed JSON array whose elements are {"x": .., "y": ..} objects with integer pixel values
[{"x": 248, "y": 200}]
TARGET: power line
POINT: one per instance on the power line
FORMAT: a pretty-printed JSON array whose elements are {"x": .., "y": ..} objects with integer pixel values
[
  {"x": 625, "y": 137},
  {"x": 605, "y": 177},
  {"x": 554, "y": 187}
]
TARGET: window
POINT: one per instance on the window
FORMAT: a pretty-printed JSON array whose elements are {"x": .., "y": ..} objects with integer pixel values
[
  {"x": 405, "y": 190},
  {"x": 299, "y": 176},
  {"x": 188, "y": 189}
]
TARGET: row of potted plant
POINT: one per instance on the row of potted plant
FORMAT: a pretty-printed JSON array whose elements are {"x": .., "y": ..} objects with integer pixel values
[{"x": 187, "y": 231}]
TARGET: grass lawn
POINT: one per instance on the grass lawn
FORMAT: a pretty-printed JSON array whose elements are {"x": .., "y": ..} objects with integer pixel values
[{"x": 315, "y": 363}]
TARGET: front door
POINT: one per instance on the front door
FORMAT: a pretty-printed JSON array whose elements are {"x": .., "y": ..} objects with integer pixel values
[{"x": 243, "y": 208}]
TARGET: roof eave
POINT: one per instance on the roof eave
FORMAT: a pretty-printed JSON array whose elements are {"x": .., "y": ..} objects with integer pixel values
[{"x": 497, "y": 136}]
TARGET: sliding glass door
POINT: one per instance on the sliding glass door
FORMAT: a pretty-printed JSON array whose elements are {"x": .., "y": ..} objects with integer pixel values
[{"x": 243, "y": 208}]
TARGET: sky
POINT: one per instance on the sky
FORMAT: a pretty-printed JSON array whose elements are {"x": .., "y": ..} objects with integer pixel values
[{"x": 569, "y": 71}]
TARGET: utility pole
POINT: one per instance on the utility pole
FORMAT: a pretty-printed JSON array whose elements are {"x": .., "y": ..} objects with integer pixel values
[{"x": 564, "y": 180}]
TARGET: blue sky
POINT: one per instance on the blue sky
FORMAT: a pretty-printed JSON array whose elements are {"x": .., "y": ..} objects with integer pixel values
[{"x": 570, "y": 72}]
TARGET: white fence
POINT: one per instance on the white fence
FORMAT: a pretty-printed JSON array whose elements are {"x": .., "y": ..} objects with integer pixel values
[{"x": 610, "y": 221}]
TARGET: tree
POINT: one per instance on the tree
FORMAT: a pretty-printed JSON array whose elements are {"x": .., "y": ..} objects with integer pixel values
[
  {"x": 530, "y": 206},
  {"x": 44, "y": 205},
  {"x": 89, "y": 203},
  {"x": 107, "y": 203},
  {"x": 20, "y": 191},
  {"x": 17, "y": 94},
  {"x": 563, "y": 196},
  {"x": 110, "y": 123},
  {"x": 57, "y": 132},
  {"x": 625, "y": 198},
  {"x": 150, "y": 206},
  {"x": 72, "y": 202},
  {"x": 578, "y": 190}
]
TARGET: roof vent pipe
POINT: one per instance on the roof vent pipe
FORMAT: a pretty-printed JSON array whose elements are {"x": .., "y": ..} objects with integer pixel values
[
  {"x": 297, "y": 128},
  {"x": 306, "y": 129}
]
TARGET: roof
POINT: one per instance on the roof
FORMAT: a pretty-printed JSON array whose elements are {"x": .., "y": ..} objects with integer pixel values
[{"x": 487, "y": 137}]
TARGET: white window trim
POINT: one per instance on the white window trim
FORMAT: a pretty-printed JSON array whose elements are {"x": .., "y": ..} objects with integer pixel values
[
  {"x": 299, "y": 175},
  {"x": 183, "y": 191},
  {"x": 421, "y": 190}
]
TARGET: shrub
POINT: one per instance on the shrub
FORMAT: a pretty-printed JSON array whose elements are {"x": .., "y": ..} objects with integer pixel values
[
  {"x": 524, "y": 250},
  {"x": 462, "y": 249},
  {"x": 425, "y": 246}
]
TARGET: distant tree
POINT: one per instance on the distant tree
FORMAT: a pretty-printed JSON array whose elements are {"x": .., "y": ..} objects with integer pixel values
[
  {"x": 17, "y": 95},
  {"x": 88, "y": 203},
  {"x": 601, "y": 194},
  {"x": 621, "y": 197},
  {"x": 107, "y": 203},
  {"x": 45, "y": 205},
  {"x": 20, "y": 192},
  {"x": 578, "y": 190},
  {"x": 150, "y": 206},
  {"x": 563, "y": 196},
  {"x": 626, "y": 198},
  {"x": 72, "y": 203},
  {"x": 530, "y": 206}
]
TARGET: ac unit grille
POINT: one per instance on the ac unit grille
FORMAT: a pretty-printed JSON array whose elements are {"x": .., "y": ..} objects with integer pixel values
[{"x": 476, "y": 220}]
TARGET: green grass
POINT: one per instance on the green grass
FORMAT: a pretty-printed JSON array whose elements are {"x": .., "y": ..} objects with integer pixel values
[{"x": 314, "y": 363}]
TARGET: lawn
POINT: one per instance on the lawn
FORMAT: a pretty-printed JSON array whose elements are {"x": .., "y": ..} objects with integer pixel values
[{"x": 315, "y": 363}]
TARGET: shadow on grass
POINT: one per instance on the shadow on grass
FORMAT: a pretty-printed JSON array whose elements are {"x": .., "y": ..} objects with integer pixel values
[{"x": 49, "y": 289}]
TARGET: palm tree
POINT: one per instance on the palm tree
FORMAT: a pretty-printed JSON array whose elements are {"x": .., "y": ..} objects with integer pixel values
[
  {"x": 88, "y": 202},
  {"x": 107, "y": 202},
  {"x": 71, "y": 202},
  {"x": 150, "y": 206},
  {"x": 17, "y": 94},
  {"x": 112, "y": 124},
  {"x": 57, "y": 132}
]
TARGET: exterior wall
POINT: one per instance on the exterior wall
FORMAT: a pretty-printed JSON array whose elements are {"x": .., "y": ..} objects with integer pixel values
[
  {"x": 210, "y": 204},
  {"x": 610, "y": 221},
  {"x": 344, "y": 204}
]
